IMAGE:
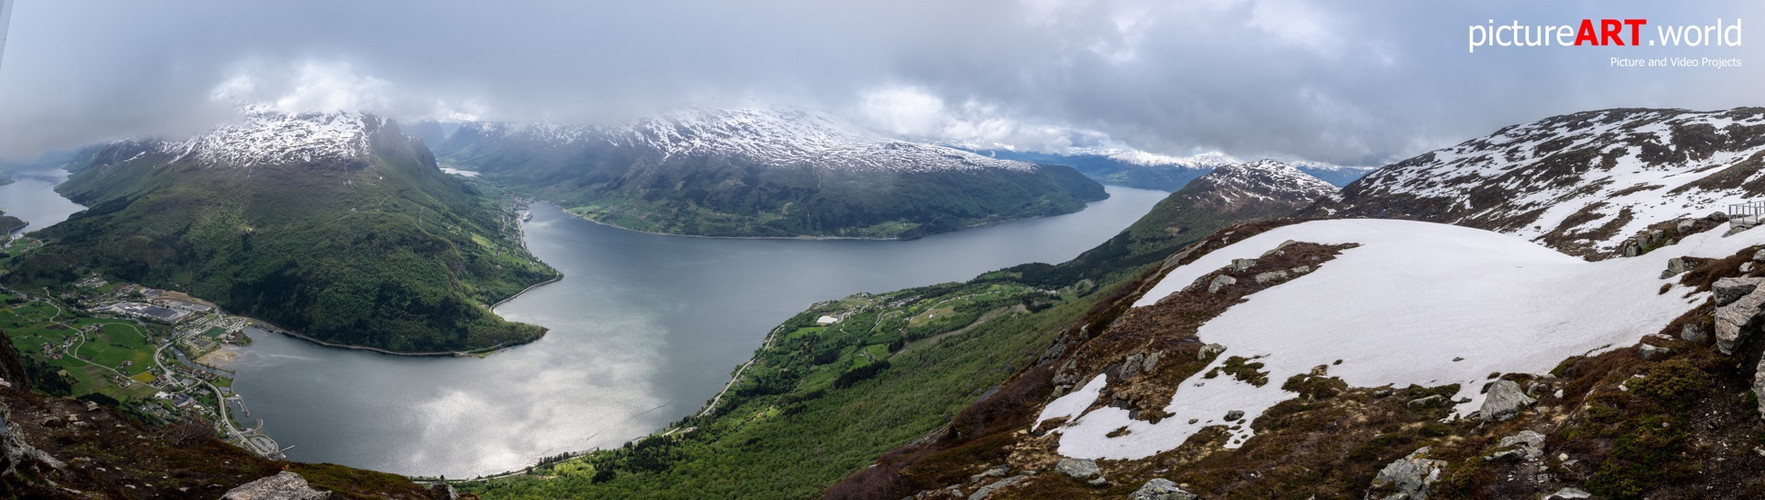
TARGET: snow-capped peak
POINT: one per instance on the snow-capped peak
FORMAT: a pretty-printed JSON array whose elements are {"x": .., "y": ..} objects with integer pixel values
[
  {"x": 267, "y": 136},
  {"x": 1328, "y": 167},
  {"x": 1207, "y": 160},
  {"x": 1267, "y": 178},
  {"x": 1582, "y": 182},
  {"x": 781, "y": 137}
]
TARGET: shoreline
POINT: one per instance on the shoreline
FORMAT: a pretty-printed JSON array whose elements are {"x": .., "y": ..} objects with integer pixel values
[
  {"x": 784, "y": 238},
  {"x": 554, "y": 279},
  {"x": 814, "y": 238},
  {"x": 266, "y": 326},
  {"x": 272, "y": 328}
]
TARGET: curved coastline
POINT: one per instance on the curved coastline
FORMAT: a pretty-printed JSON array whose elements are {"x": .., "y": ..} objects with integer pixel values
[
  {"x": 262, "y": 325},
  {"x": 813, "y": 237}
]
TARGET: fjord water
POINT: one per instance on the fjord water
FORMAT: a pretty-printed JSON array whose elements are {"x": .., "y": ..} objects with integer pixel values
[
  {"x": 644, "y": 329},
  {"x": 32, "y": 198}
]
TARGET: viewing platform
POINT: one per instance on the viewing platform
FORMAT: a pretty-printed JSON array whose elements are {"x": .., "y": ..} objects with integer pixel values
[{"x": 1742, "y": 216}]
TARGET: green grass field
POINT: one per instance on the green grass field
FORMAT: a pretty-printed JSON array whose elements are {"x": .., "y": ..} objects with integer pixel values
[{"x": 30, "y": 324}]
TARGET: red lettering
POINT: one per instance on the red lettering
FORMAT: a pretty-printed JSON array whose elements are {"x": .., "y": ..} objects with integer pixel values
[
  {"x": 1611, "y": 32},
  {"x": 1585, "y": 34},
  {"x": 1635, "y": 30}
]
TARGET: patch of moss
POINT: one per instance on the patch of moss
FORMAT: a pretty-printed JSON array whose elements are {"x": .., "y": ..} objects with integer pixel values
[{"x": 1243, "y": 369}]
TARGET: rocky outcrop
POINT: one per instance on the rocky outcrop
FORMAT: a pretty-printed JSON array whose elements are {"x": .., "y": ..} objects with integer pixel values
[
  {"x": 1161, "y": 489},
  {"x": 282, "y": 486},
  {"x": 994, "y": 487},
  {"x": 1219, "y": 282},
  {"x": 1759, "y": 383},
  {"x": 1678, "y": 265},
  {"x": 1524, "y": 445},
  {"x": 1208, "y": 351},
  {"x": 1083, "y": 469},
  {"x": 1271, "y": 276},
  {"x": 1650, "y": 352},
  {"x": 20, "y": 454},
  {"x": 1504, "y": 400},
  {"x": 1693, "y": 332},
  {"x": 1738, "y": 311},
  {"x": 1140, "y": 362},
  {"x": 1407, "y": 478},
  {"x": 1429, "y": 401},
  {"x": 1728, "y": 290}
]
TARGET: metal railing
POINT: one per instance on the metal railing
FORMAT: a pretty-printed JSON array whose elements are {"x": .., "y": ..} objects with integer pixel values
[{"x": 1746, "y": 214}]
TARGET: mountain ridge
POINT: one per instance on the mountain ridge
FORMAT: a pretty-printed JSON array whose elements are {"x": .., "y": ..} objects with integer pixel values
[
  {"x": 1140, "y": 169},
  {"x": 1581, "y": 182},
  {"x": 785, "y": 172}
]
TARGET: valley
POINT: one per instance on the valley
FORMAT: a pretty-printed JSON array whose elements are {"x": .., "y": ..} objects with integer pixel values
[{"x": 1032, "y": 249}]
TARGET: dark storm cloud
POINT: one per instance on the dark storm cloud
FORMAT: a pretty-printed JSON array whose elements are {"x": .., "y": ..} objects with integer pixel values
[{"x": 1349, "y": 82}]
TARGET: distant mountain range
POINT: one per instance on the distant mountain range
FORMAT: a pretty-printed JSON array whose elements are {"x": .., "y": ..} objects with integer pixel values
[
  {"x": 334, "y": 225},
  {"x": 1140, "y": 169},
  {"x": 778, "y": 172}
]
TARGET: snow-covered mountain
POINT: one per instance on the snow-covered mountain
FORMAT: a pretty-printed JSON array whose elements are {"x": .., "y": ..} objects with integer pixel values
[
  {"x": 328, "y": 201},
  {"x": 1336, "y": 175},
  {"x": 1365, "y": 356},
  {"x": 1264, "y": 180},
  {"x": 1142, "y": 169},
  {"x": 778, "y": 137},
  {"x": 265, "y": 136},
  {"x": 781, "y": 172},
  {"x": 1137, "y": 157},
  {"x": 1582, "y": 182}
]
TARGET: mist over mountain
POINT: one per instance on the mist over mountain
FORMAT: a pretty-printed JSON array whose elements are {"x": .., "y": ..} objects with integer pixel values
[
  {"x": 777, "y": 172},
  {"x": 336, "y": 226}
]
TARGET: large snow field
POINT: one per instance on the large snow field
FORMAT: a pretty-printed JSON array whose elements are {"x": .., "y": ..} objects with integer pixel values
[{"x": 1415, "y": 303}]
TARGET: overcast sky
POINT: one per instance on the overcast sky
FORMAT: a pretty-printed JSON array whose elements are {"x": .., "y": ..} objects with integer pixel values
[{"x": 1359, "y": 82}]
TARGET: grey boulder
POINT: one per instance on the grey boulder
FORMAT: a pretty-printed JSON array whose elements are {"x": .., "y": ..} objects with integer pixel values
[
  {"x": 283, "y": 486},
  {"x": 1409, "y": 476},
  {"x": 1078, "y": 468},
  {"x": 1738, "y": 311},
  {"x": 1504, "y": 400},
  {"x": 1161, "y": 489}
]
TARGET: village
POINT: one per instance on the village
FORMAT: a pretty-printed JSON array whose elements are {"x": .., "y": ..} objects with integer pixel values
[{"x": 158, "y": 354}]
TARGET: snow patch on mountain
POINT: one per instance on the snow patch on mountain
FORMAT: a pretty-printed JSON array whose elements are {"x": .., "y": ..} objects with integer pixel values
[
  {"x": 266, "y": 136},
  {"x": 1329, "y": 167},
  {"x": 1588, "y": 179},
  {"x": 1415, "y": 302},
  {"x": 780, "y": 137},
  {"x": 1141, "y": 158},
  {"x": 1265, "y": 180}
]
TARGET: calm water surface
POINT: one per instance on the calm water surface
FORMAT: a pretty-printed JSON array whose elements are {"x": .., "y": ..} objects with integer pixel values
[
  {"x": 32, "y": 198},
  {"x": 644, "y": 329}
]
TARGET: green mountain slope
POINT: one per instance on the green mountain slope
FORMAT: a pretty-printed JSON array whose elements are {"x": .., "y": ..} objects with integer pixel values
[
  {"x": 336, "y": 226},
  {"x": 770, "y": 173},
  {"x": 821, "y": 401}
]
